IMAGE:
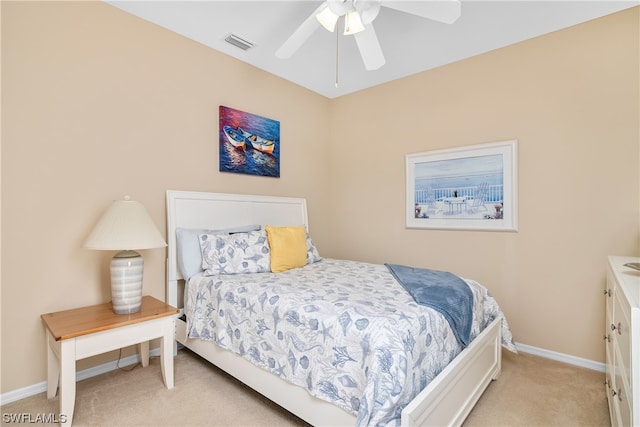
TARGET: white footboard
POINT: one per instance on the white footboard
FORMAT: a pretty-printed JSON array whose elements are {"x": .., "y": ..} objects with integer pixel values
[
  {"x": 447, "y": 400},
  {"x": 451, "y": 396}
]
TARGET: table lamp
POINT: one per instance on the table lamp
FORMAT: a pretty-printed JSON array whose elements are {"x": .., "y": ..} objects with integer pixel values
[{"x": 125, "y": 226}]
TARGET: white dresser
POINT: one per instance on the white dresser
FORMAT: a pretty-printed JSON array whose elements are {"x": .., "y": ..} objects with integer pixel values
[{"x": 622, "y": 338}]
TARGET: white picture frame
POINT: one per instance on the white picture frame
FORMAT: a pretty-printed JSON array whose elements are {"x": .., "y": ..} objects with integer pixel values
[{"x": 464, "y": 188}]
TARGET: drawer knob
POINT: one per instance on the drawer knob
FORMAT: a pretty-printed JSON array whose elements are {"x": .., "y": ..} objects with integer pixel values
[
  {"x": 619, "y": 328},
  {"x": 617, "y": 393},
  {"x": 607, "y": 292},
  {"x": 607, "y": 337}
]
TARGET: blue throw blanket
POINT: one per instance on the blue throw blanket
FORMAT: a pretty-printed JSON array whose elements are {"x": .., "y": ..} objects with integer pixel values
[{"x": 442, "y": 291}]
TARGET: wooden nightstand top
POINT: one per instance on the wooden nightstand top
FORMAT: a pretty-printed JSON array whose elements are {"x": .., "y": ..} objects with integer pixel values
[{"x": 87, "y": 320}]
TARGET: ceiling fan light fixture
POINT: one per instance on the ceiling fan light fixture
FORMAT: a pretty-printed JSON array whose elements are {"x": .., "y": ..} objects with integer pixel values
[
  {"x": 327, "y": 19},
  {"x": 352, "y": 23}
]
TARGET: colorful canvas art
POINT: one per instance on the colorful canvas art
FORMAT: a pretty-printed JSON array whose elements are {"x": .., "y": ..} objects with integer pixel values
[{"x": 249, "y": 144}]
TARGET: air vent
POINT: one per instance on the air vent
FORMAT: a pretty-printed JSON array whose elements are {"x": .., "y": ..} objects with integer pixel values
[{"x": 238, "y": 42}]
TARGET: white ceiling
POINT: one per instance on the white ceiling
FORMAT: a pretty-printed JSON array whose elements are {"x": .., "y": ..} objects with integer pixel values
[{"x": 410, "y": 44}]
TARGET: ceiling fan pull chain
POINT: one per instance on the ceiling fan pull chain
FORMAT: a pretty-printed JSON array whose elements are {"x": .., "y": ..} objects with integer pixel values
[{"x": 337, "y": 36}]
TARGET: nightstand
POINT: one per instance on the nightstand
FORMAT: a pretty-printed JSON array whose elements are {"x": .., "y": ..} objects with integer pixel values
[{"x": 83, "y": 332}]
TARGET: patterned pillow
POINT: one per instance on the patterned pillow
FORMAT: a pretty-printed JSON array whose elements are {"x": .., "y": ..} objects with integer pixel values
[
  {"x": 188, "y": 246},
  {"x": 236, "y": 253},
  {"x": 312, "y": 252}
]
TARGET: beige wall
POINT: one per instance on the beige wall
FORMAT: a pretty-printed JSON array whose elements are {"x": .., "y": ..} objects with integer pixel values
[
  {"x": 97, "y": 104},
  {"x": 571, "y": 99}
]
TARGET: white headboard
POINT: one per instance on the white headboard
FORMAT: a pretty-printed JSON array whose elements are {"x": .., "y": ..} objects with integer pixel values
[{"x": 190, "y": 209}]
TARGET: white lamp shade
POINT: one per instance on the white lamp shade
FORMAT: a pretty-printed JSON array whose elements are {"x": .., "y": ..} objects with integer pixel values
[{"x": 126, "y": 225}]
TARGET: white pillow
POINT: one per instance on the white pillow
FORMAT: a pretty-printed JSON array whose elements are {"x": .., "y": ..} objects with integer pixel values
[
  {"x": 235, "y": 253},
  {"x": 189, "y": 255}
]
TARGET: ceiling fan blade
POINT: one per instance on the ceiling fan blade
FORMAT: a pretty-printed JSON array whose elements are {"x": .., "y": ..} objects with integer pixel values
[
  {"x": 300, "y": 35},
  {"x": 447, "y": 11},
  {"x": 369, "y": 48}
]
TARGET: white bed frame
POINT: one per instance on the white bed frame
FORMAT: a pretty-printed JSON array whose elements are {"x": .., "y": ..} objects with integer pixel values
[{"x": 447, "y": 400}]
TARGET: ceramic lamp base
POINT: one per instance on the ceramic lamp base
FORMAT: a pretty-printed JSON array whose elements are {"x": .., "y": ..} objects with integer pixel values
[{"x": 126, "y": 282}]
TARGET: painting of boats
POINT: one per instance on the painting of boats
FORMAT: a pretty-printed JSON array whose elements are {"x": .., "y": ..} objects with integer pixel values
[{"x": 249, "y": 144}]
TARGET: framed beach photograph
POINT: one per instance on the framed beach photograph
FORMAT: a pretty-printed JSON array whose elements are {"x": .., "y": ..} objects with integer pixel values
[
  {"x": 465, "y": 188},
  {"x": 249, "y": 143}
]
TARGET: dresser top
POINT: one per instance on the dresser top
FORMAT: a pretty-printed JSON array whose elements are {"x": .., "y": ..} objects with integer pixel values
[{"x": 628, "y": 278}]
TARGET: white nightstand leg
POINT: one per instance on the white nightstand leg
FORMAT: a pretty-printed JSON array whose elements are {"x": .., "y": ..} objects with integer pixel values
[
  {"x": 53, "y": 366},
  {"x": 67, "y": 380},
  {"x": 166, "y": 353},
  {"x": 143, "y": 349}
]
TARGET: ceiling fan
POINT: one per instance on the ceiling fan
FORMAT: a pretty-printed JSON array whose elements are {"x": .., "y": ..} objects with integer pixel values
[{"x": 358, "y": 21}]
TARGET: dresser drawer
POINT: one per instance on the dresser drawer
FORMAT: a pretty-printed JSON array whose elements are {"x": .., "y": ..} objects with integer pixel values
[
  {"x": 610, "y": 385},
  {"x": 608, "y": 295},
  {"x": 623, "y": 402},
  {"x": 618, "y": 393},
  {"x": 620, "y": 333}
]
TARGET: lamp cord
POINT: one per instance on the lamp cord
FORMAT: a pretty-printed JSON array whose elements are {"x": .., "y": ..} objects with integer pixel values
[{"x": 134, "y": 366}]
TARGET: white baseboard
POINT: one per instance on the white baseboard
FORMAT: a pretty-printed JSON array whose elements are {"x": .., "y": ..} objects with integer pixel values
[
  {"x": 41, "y": 387},
  {"x": 561, "y": 357}
]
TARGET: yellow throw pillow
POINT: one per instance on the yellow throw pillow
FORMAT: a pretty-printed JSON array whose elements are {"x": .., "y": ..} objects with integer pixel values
[{"x": 288, "y": 247}]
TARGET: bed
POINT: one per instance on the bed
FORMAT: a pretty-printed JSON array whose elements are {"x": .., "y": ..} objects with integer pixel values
[{"x": 391, "y": 386}]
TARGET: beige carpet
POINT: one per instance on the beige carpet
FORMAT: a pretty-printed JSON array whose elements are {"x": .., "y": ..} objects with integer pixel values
[{"x": 531, "y": 391}]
